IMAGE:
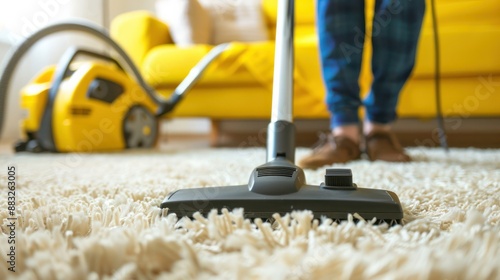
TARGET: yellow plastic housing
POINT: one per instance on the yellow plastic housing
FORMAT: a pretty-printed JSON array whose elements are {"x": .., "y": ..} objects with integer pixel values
[{"x": 80, "y": 123}]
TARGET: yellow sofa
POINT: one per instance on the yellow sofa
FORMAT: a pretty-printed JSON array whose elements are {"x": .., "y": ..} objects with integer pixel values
[{"x": 238, "y": 85}]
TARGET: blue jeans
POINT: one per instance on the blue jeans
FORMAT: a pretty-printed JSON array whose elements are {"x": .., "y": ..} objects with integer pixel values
[{"x": 341, "y": 31}]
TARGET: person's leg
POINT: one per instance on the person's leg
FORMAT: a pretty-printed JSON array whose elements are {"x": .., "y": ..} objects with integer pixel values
[
  {"x": 341, "y": 31},
  {"x": 395, "y": 35}
]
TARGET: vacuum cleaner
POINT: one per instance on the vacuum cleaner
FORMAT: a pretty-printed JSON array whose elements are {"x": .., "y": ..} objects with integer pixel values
[
  {"x": 279, "y": 186},
  {"x": 91, "y": 105}
]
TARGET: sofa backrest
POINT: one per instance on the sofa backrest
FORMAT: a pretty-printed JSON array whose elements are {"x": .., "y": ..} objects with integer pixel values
[
  {"x": 305, "y": 16},
  {"x": 450, "y": 13}
]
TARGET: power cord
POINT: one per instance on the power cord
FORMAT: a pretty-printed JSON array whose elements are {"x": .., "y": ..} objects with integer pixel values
[{"x": 437, "y": 81}]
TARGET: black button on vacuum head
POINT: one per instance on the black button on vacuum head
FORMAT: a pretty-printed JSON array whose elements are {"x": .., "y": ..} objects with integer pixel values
[{"x": 338, "y": 178}]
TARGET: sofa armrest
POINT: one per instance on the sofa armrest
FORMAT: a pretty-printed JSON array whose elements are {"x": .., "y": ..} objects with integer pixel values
[{"x": 139, "y": 31}]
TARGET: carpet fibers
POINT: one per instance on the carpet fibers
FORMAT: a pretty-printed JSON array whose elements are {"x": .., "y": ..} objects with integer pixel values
[{"x": 97, "y": 217}]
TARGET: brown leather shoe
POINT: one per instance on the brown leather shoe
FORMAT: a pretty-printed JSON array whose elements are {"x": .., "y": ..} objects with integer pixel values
[
  {"x": 385, "y": 146},
  {"x": 337, "y": 149}
]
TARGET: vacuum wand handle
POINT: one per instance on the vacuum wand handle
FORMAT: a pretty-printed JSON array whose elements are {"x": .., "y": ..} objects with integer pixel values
[{"x": 282, "y": 108}]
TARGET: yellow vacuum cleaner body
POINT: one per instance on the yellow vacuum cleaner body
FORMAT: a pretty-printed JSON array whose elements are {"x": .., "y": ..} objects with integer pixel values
[
  {"x": 91, "y": 105},
  {"x": 97, "y": 106}
]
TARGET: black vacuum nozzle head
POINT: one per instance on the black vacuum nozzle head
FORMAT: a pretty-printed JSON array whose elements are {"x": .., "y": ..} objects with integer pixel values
[{"x": 336, "y": 199}]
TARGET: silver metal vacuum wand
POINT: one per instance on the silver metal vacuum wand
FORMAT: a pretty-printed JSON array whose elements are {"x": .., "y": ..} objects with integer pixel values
[
  {"x": 281, "y": 131},
  {"x": 282, "y": 109}
]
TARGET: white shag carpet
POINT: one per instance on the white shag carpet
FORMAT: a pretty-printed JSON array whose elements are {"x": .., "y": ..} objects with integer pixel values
[{"x": 97, "y": 217}]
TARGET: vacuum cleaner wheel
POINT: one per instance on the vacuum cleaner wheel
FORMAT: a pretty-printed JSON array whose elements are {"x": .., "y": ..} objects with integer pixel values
[{"x": 140, "y": 128}]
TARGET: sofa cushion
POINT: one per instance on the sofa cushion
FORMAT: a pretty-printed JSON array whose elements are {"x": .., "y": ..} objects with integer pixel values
[
  {"x": 188, "y": 21},
  {"x": 166, "y": 66},
  {"x": 236, "y": 21},
  {"x": 132, "y": 31}
]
